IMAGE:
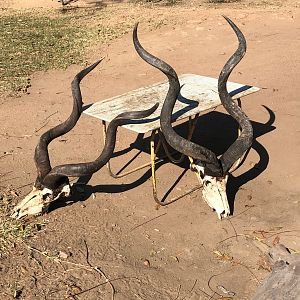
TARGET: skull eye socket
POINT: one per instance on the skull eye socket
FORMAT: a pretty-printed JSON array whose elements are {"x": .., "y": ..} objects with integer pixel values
[
  {"x": 207, "y": 182},
  {"x": 45, "y": 196}
]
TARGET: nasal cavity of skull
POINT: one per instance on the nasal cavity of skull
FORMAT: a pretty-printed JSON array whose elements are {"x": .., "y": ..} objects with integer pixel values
[
  {"x": 201, "y": 174},
  {"x": 222, "y": 213}
]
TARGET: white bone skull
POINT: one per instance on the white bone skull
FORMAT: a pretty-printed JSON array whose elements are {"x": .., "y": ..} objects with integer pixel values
[
  {"x": 37, "y": 202},
  {"x": 213, "y": 191},
  {"x": 53, "y": 183},
  {"x": 218, "y": 166}
]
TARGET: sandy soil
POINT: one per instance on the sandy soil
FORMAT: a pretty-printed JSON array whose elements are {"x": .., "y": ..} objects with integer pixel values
[{"x": 181, "y": 251}]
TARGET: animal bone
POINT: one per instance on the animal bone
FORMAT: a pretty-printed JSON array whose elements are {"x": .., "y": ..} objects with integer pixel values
[
  {"x": 214, "y": 170},
  {"x": 213, "y": 190},
  {"x": 37, "y": 201},
  {"x": 53, "y": 183}
]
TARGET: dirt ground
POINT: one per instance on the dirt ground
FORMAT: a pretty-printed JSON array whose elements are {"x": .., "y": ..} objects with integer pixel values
[{"x": 111, "y": 226}]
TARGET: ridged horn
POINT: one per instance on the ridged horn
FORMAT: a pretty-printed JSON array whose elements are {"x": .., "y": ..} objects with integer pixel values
[
  {"x": 56, "y": 175},
  {"x": 244, "y": 141},
  {"x": 52, "y": 178},
  {"x": 207, "y": 157},
  {"x": 41, "y": 156}
]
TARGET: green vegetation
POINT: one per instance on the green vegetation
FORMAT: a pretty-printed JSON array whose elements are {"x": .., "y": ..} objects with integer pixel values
[
  {"x": 35, "y": 43},
  {"x": 32, "y": 42}
]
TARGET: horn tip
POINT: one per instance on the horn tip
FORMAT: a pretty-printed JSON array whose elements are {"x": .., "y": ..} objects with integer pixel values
[
  {"x": 153, "y": 108},
  {"x": 97, "y": 62},
  {"x": 229, "y": 21},
  {"x": 135, "y": 28}
]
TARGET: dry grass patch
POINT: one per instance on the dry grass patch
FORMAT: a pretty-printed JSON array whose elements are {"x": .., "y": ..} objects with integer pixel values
[
  {"x": 34, "y": 43},
  {"x": 11, "y": 230}
]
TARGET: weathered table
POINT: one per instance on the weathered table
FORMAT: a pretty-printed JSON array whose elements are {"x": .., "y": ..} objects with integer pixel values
[{"x": 199, "y": 94}]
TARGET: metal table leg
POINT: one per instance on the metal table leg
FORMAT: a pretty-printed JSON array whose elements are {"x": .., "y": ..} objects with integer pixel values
[
  {"x": 153, "y": 152},
  {"x": 192, "y": 125},
  {"x": 122, "y": 174}
]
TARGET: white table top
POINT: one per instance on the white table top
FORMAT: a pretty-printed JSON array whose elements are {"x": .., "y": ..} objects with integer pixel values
[{"x": 198, "y": 94}]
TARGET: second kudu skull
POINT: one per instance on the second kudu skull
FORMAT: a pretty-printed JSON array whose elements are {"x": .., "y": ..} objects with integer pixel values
[
  {"x": 52, "y": 183},
  {"x": 212, "y": 170}
]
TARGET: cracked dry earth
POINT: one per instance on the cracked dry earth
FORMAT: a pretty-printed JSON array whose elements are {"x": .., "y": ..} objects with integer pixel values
[{"x": 110, "y": 229}]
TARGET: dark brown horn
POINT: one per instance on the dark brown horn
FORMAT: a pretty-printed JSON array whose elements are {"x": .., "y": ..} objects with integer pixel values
[
  {"x": 207, "y": 157},
  {"x": 53, "y": 178},
  {"x": 41, "y": 156},
  {"x": 244, "y": 141},
  {"x": 57, "y": 174}
]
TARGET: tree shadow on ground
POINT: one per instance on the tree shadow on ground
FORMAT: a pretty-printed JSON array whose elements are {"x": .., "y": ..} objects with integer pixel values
[{"x": 214, "y": 130}]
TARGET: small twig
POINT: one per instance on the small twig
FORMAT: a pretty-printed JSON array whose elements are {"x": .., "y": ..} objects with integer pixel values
[
  {"x": 10, "y": 179},
  {"x": 135, "y": 227},
  {"x": 233, "y": 236},
  {"x": 4, "y": 155},
  {"x": 46, "y": 121},
  {"x": 249, "y": 236},
  {"x": 37, "y": 130},
  {"x": 245, "y": 210},
  {"x": 241, "y": 264},
  {"x": 16, "y": 136},
  {"x": 190, "y": 290},
  {"x": 113, "y": 291},
  {"x": 236, "y": 262},
  {"x": 51, "y": 115},
  {"x": 207, "y": 295},
  {"x": 100, "y": 284},
  {"x": 22, "y": 186},
  {"x": 56, "y": 259},
  {"x": 281, "y": 232},
  {"x": 212, "y": 296},
  {"x": 235, "y": 232},
  {"x": 210, "y": 279}
]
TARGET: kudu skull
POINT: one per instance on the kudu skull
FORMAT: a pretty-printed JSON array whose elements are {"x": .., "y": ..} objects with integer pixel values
[
  {"x": 212, "y": 170},
  {"x": 52, "y": 183}
]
